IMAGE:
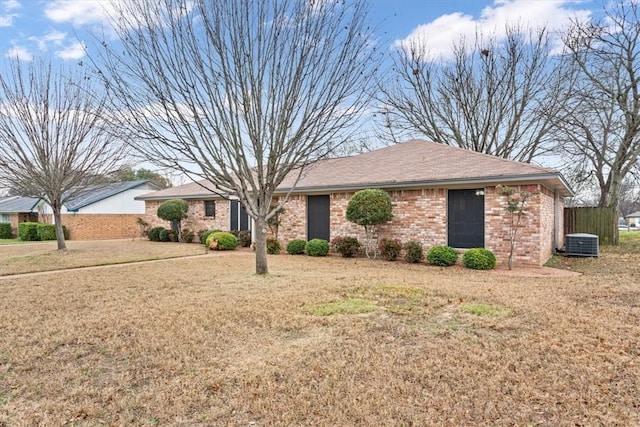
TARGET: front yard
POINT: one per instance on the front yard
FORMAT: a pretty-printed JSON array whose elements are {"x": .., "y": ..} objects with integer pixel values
[{"x": 321, "y": 341}]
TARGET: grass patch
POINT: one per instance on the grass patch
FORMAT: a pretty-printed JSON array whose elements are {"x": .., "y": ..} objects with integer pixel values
[
  {"x": 348, "y": 306},
  {"x": 408, "y": 292},
  {"x": 630, "y": 240},
  {"x": 483, "y": 309},
  {"x": 11, "y": 241}
]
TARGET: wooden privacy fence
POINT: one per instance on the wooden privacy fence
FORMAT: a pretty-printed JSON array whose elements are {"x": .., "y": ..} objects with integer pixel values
[{"x": 602, "y": 222}]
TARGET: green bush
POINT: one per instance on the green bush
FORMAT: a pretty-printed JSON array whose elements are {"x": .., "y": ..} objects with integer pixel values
[
  {"x": 226, "y": 241},
  {"x": 188, "y": 235},
  {"x": 296, "y": 247},
  {"x": 28, "y": 231},
  {"x": 163, "y": 235},
  {"x": 244, "y": 237},
  {"x": 174, "y": 211},
  {"x": 204, "y": 234},
  {"x": 46, "y": 231},
  {"x": 479, "y": 259},
  {"x": 443, "y": 256},
  {"x": 317, "y": 247},
  {"x": 154, "y": 234},
  {"x": 5, "y": 230},
  {"x": 413, "y": 252},
  {"x": 369, "y": 207},
  {"x": 390, "y": 249},
  {"x": 273, "y": 246},
  {"x": 347, "y": 246}
]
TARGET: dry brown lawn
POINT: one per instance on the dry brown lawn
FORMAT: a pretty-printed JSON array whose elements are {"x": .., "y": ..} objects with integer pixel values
[
  {"x": 203, "y": 341},
  {"x": 43, "y": 256}
]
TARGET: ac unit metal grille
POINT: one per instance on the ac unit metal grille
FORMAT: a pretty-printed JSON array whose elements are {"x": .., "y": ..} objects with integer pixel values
[{"x": 582, "y": 244}]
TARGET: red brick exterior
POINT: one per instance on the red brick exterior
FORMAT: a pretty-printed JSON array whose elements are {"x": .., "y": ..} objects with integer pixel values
[
  {"x": 421, "y": 215},
  {"x": 196, "y": 221}
]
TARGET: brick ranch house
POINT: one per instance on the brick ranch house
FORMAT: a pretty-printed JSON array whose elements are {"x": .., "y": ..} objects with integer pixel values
[
  {"x": 441, "y": 195},
  {"x": 16, "y": 209},
  {"x": 106, "y": 211}
]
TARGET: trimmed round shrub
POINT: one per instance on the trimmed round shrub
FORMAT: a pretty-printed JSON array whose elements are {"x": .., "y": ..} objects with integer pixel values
[
  {"x": 390, "y": 249},
  {"x": 479, "y": 259},
  {"x": 347, "y": 246},
  {"x": 296, "y": 247},
  {"x": 5, "y": 230},
  {"x": 225, "y": 241},
  {"x": 413, "y": 252},
  {"x": 317, "y": 247},
  {"x": 369, "y": 207},
  {"x": 204, "y": 234},
  {"x": 443, "y": 256},
  {"x": 163, "y": 235},
  {"x": 174, "y": 210},
  {"x": 273, "y": 246},
  {"x": 154, "y": 234}
]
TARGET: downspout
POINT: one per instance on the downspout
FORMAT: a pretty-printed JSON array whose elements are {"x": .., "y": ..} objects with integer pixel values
[{"x": 557, "y": 232}]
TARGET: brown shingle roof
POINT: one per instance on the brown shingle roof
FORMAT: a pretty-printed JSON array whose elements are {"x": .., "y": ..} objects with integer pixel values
[{"x": 410, "y": 164}]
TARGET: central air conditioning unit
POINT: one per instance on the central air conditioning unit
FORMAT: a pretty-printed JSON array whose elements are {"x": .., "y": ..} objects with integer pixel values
[{"x": 581, "y": 244}]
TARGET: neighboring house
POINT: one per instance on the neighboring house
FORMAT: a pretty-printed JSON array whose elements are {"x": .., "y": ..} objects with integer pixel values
[
  {"x": 105, "y": 211},
  {"x": 441, "y": 195},
  {"x": 633, "y": 220},
  {"x": 16, "y": 209}
]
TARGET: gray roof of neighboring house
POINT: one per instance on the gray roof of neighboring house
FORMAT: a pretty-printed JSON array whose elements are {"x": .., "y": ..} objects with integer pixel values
[
  {"x": 18, "y": 204},
  {"x": 633, "y": 215},
  {"x": 95, "y": 193},
  {"x": 413, "y": 164}
]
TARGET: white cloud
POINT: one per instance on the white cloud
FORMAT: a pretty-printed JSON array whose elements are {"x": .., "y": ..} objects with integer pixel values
[
  {"x": 52, "y": 37},
  {"x": 75, "y": 51},
  {"x": 79, "y": 12},
  {"x": 6, "y": 18},
  {"x": 11, "y": 4},
  {"x": 435, "y": 38},
  {"x": 19, "y": 52}
]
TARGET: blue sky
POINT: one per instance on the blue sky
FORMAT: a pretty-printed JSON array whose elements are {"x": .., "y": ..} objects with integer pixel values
[{"x": 57, "y": 28}]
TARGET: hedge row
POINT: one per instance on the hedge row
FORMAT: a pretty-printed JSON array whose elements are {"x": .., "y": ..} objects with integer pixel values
[
  {"x": 5, "y": 230},
  {"x": 35, "y": 231}
]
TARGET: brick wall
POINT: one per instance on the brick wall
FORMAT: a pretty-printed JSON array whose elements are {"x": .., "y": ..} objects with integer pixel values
[
  {"x": 196, "y": 220},
  {"x": 498, "y": 225},
  {"x": 421, "y": 215},
  {"x": 101, "y": 226}
]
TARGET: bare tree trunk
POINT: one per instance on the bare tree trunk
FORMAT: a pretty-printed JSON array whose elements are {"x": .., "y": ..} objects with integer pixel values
[
  {"x": 261, "y": 246},
  {"x": 57, "y": 219}
]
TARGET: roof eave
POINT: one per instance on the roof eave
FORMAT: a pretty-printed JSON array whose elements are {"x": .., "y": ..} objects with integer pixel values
[
  {"x": 75, "y": 209},
  {"x": 561, "y": 184}
]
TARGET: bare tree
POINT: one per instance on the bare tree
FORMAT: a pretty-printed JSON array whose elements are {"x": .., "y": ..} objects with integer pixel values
[
  {"x": 629, "y": 196},
  {"x": 600, "y": 124},
  {"x": 494, "y": 97},
  {"x": 242, "y": 93},
  {"x": 53, "y": 141}
]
